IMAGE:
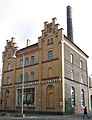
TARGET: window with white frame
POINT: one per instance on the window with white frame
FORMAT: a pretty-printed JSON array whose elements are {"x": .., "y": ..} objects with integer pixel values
[
  {"x": 71, "y": 58},
  {"x": 50, "y": 55},
  {"x": 72, "y": 96},
  {"x": 72, "y": 74},
  {"x": 29, "y": 97},
  {"x": 82, "y": 98}
]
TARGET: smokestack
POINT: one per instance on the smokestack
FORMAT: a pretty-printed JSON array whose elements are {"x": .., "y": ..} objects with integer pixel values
[
  {"x": 69, "y": 24},
  {"x": 28, "y": 42}
]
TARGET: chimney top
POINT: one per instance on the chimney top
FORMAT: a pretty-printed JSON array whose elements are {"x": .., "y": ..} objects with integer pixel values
[
  {"x": 27, "y": 42},
  {"x": 69, "y": 23}
]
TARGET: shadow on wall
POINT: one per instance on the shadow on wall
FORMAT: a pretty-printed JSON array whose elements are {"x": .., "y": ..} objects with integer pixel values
[{"x": 68, "y": 107}]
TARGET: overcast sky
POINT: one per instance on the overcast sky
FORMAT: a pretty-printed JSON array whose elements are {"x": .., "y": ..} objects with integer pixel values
[{"x": 24, "y": 19}]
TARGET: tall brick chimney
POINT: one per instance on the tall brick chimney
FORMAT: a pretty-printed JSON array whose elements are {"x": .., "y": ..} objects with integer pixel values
[{"x": 69, "y": 23}]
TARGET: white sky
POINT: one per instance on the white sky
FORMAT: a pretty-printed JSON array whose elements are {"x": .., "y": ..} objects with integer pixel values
[{"x": 24, "y": 19}]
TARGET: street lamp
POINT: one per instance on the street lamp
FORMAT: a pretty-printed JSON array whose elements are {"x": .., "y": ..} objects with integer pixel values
[{"x": 22, "y": 82}]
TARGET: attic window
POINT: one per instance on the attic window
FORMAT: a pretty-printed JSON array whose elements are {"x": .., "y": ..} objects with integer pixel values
[{"x": 50, "y": 41}]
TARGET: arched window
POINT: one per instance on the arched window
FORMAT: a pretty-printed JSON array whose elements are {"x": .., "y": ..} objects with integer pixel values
[
  {"x": 50, "y": 72},
  {"x": 81, "y": 77},
  {"x": 8, "y": 80},
  {"x": 82, "y": 98},
  {"x": 7, "y": 99},
  {"x": 50, "y": 96},
  {"x": 72, "y": 75},
  {"x": 26, "y": 77},
  {"x": 81, "y": 64},
  {"x": 26, "y": 62},
  {"x": 73, "y": 96},
  {"x": 20, "y": 77},
  {"x": 50, "y": 55},
  {"x": 71, "y": 58},
  {"x": 32, "y": 60},
  {"x": 32, "y": 75},
  {"x": 8, "y": 67},
  {"x": 21, "y": 63}
]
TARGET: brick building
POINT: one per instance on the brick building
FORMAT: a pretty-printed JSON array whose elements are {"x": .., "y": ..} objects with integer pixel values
[{"x": 55, "y": 74}]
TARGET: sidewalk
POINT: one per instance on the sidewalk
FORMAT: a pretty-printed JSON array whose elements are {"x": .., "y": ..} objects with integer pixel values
[{"x": 45, "y": 117}]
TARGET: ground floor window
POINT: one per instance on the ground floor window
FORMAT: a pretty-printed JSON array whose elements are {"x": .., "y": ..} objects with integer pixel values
[
  {"x": 82, "y": 98},
  {"x": 28, "y": 97},
  {"x": 73, "y": 96}
]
